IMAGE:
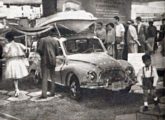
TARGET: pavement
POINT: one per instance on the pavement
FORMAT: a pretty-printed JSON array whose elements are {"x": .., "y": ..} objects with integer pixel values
[
  {"x": 7, "y": 97},
  {"x": 152, "y": 114},
  {"x": 149, "y": 115}
]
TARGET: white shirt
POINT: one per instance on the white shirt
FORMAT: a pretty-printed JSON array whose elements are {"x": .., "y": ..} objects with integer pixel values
[
  {"x": 119, "y": 30},
  {"x": 139, "y": 25},
  {"x": 133, "y": 32},
  {"x": 147, "y": 73}
]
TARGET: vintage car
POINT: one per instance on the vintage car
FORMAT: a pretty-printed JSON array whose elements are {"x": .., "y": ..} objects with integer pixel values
[{"x": 83, "y": 62}]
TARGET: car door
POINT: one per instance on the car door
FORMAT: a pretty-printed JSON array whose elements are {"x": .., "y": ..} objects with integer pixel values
[{"x": 60, "y": 60}]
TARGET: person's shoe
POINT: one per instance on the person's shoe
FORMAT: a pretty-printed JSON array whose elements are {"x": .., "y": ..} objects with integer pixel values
[
  {"x": 16, "y": 93},
  {"x": 52, "y": 94},
  {"x": 145, "y": 108},
  {"x": 42, "y": 97}
]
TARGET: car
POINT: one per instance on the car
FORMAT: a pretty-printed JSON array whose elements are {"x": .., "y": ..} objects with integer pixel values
[{"x": 83, "y": 62}]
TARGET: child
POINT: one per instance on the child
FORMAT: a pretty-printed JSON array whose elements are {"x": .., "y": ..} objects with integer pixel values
[{"x": 147, "y": 78}]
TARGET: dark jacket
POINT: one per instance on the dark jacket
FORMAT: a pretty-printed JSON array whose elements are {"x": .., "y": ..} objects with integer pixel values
[
  {"x": 47, "y": 48},
  {"x": 151, "y": 32}
]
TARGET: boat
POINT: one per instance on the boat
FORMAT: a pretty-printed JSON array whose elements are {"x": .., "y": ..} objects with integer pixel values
[{"x": 76, "y": 21}]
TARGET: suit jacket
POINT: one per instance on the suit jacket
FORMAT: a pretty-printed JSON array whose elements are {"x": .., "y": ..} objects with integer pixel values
[
  {"x": 48, "y": 49},
  {"x": 141, "y": 33},
  {"x": 161, "y": 33}
]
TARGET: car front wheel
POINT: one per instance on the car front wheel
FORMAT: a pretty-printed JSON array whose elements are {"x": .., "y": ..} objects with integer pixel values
[{"x": 75, "y": 89}]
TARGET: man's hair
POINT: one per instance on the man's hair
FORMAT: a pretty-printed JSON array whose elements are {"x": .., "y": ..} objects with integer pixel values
[
  {"x": 9, "y": 36},
  {"x": 117, "y": 18},
  {"x": 163, "y": 19},
  {"x": 100, "y": 23},
  {"x": 146, "y": 56},
  {"x": 139, "y": 18},
  {"x": 151, "y": 22}
]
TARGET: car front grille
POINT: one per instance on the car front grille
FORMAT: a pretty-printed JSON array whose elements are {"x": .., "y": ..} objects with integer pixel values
[{"x": 112, "y": 75}]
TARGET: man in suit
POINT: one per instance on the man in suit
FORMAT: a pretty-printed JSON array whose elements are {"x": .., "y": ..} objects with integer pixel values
[
  {"x": 141, "y": 31},
  {"x": 47, "y": 48},
  {"x": 162, "y": 36}
]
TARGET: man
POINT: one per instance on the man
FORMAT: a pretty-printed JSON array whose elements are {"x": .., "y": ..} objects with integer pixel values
[
  {"x": 162, "y": 36},
  {"x": 47, "y": 48},
  {"x": 141, "y": 31},
  {"x": 119, "y": 29},
  {"x": 100, "y": 31},
  {"x": 161, "y": 39},
  {"x": 151, "y": 36},
  {"x": 132, "y": 38}
]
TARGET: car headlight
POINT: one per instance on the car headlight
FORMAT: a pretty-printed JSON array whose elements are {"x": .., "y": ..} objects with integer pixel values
[{"x": 91, "y": 75}]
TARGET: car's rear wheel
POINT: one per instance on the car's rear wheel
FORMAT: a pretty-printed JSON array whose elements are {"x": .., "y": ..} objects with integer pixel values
[{"x": 74, "y": 88}]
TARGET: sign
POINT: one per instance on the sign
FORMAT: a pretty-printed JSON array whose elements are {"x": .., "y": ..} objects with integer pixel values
[
  {"x": 106, "y": 9},
  {"x": 135, "y": 59},
  {"x": 1, "y": 3}
]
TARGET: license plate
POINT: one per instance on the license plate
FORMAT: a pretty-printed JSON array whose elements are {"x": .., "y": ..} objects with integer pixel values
[{"x": 117, "y": 86}]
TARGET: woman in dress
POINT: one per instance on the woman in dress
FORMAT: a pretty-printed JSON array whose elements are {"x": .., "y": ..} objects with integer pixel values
[{"x": 15, "y": 61}]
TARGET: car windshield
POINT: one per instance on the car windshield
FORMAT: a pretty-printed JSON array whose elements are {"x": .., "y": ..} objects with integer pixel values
[{"x": 83, "y": 46}]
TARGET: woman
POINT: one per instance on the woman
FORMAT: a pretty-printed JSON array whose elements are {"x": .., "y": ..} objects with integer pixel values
[
  {"x": 15, "y": 61},
  {"x": 110, "y": 39}
]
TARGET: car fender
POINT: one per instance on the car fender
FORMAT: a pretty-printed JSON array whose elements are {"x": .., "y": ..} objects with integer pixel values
[
  {"x": 127, "y": 66},
  {"x": 78, "y": 69}
]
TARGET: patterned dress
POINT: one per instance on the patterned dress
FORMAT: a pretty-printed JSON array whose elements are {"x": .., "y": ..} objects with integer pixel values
[{"x": 15, "y": 61}]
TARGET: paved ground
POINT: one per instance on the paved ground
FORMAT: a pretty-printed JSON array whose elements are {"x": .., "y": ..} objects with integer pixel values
[{"x": 95, "y": 105}]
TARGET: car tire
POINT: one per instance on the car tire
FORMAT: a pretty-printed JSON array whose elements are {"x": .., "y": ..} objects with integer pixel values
[{"x": 74, "y": 88}]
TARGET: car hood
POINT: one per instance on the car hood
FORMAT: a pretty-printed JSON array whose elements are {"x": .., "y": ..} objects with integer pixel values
[{"x": 102, "y": 60}]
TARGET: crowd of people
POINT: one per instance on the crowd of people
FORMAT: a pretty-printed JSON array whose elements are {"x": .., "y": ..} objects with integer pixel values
[{"x": 121, "y": 39}]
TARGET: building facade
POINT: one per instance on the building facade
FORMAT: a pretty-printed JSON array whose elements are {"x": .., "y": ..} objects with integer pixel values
[
  {"x": 21, "y": 8},
  {"x": 104, "y": 10}
]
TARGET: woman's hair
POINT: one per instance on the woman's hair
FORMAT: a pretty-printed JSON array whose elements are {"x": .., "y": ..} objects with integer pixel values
[
  {"x": 9, "y": 36},
  {"x": 111, "y": 24},
  {"x": 100, "y": 23}
]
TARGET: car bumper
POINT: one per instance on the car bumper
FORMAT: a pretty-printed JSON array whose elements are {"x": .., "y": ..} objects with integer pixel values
[{"x": 116, "y": 86}]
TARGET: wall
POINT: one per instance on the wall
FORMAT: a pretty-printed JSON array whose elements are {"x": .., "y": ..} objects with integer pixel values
[
  {"x": 105, "y": 10},
  {"x": 49, "y": 7}
]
